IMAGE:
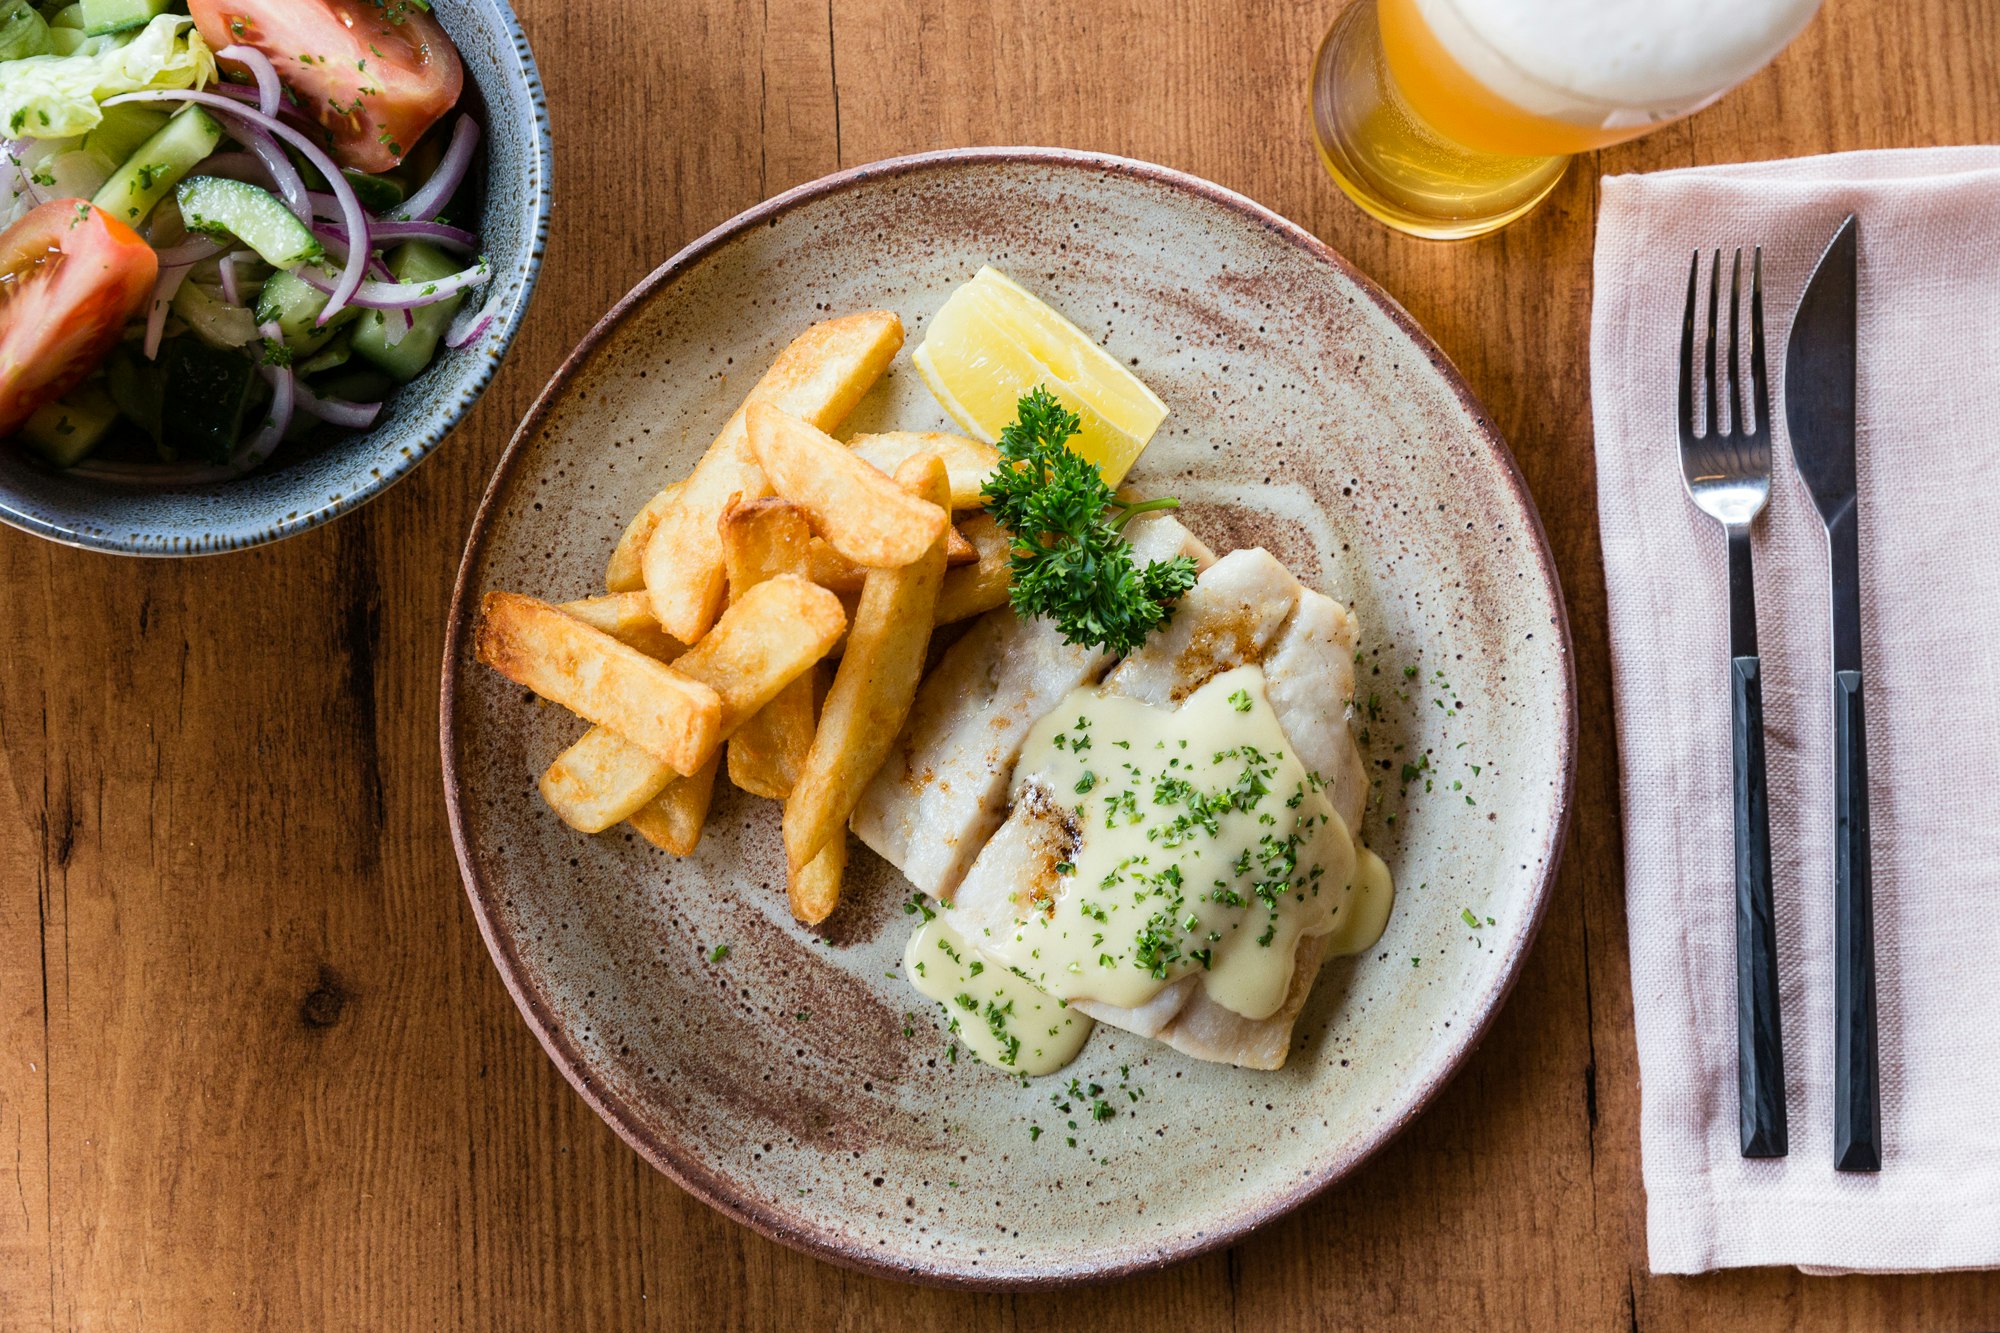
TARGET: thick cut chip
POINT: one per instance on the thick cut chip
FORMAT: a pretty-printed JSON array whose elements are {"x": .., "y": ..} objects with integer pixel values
[
  {"x": 601, "y": 780},
  {"x": 970, "y": 462},
  {"x": 819, "y": 378},
  {"x": 760, "y": 541},
  {"x": 673, "y": 717},
  {"x": 672, "y": 820},
  {"x": 626, "y": 571},
  {"x": 815, "y": 891},
  {"x": 628, "y": 618},
  {"x": 862, "y": 513},
  {"x": 983, "y": 585},
  {"x": 761, "y": 645},
  {"x": 873, "y": 689}
]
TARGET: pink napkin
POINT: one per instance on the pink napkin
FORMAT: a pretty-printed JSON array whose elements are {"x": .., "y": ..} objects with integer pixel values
[{"x": 1929, "y": 465}]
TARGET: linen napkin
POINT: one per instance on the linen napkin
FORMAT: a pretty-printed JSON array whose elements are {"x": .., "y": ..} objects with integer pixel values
[{"x": 1928, "y": 442}]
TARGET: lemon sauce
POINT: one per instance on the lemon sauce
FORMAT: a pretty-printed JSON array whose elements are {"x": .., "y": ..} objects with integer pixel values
[
  {"x": 1180, "y": 843},
  {"x": 1000, "y": 1017}
]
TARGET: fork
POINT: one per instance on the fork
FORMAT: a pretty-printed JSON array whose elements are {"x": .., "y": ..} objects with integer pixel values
[{"x": 1728, "y": 476}]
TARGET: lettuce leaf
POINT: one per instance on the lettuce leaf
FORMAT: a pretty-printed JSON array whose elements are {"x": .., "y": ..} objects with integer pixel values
[{"x": 56, "y": 97}]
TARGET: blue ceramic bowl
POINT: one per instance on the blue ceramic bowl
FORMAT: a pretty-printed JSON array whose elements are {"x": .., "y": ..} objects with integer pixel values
[{"x": 304, "y": 488}]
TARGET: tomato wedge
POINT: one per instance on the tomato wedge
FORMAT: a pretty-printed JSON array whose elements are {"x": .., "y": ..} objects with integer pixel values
[
  {"x": 375, "y": 73},
  {"x": 71, "y": 278}
]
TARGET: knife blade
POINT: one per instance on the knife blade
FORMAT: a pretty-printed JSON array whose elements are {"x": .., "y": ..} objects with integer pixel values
[{"x": 1819, "y": 412}]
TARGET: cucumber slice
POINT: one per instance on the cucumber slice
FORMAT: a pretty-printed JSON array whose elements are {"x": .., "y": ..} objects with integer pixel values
[
  {"x": 381, "y": 336},
  {"x": 123, "y": 130},
  {"x": 68, "y": 17},
  {"x": 207, "y": 395},
  {"x": 213, "y": 319},
  {"x": 158, "y": 164},
  {"x": 138, "y": 389},
  {"x": 255, "y": 217},
  {"x": 331, "y": 357},
  {"x": 108, "y": 16},
  {"x": 23, "y": 32},
  {"x": 378, "y": 194},
  {"x": 69, "y": 428},
  {"x": 295, "y": 305}
]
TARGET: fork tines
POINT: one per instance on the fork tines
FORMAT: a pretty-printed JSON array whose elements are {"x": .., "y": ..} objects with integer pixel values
[{"x": 1712, "y": 398}]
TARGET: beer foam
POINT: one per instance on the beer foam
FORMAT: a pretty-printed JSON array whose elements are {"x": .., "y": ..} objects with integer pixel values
[{"x": 1591, "y": 60}]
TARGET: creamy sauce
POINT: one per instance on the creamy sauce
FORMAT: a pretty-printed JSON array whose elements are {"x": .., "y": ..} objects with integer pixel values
[
  {"x": 1199, "y": 844},
  {"x": 1001, "y": 1018},
  {"x": 1188, "y": 841}
]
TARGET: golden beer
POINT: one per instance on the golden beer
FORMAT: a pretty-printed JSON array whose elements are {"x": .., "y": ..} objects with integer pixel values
[{"x": 1451, "y": 118}]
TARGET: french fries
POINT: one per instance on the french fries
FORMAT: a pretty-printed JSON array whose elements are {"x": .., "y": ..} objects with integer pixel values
[
  {"x": 602, "y": 780},
  {"x": 761, "y": 540},
  {"x": 781, "y": 550},
  {"x": 973, "y": 590},
  {"x": 968, "y": 461},
  {"x": 628, "y": 618},
  {"x": 674, "y": 718},
  {"x": 763, "y": 643},
  {"x": 875, "y": 685},
  {"x": 815, "y": 891},
  {"x": 818, "y": 379},
  {"x": 626, "y": 572},
  {"x": 672, "y": 820},
  {"x": 832, "y": 570},
  {"x": 862, "y": 513}
]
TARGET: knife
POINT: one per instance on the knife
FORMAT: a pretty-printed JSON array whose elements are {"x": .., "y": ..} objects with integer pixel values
[{"x": 1819, "y": 409}]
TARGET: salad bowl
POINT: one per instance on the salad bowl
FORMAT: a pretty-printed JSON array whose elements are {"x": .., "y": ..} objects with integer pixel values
[{"x": 303, "y": 487}]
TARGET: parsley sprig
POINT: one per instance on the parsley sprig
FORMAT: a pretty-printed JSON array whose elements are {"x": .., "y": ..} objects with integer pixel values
[{"x": 1071, "y": 562}]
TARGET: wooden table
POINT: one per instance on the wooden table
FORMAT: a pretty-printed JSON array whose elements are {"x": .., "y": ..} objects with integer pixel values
[{"x": 255, "y": 1067}]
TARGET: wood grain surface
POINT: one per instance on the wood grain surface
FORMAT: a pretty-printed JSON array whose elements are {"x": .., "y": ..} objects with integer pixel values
[{"x": 256, "y": 1070}]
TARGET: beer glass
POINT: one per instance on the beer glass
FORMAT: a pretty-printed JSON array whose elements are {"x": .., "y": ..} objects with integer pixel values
[{"x": 1452, "y": 118}]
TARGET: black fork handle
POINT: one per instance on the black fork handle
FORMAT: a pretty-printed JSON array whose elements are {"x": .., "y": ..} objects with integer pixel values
[
  {"x": 1760, "y": 1046},
  {"x": 1857, "y": 1108}
]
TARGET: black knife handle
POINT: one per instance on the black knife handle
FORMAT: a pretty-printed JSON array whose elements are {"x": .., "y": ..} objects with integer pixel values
[
  {"x": 1760, "y": 1046},
  {"x": 1857, "y": 1109}
]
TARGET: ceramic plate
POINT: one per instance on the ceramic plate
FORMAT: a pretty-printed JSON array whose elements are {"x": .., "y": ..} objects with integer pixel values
[{"x": 798, "y": 1084}]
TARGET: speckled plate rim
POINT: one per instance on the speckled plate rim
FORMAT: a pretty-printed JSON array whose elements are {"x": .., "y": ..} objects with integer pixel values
[
  {"x": 694, "y": 1175},
  {"x": 539, "y": 188}
]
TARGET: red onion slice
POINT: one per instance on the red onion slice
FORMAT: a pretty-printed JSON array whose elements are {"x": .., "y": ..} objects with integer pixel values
[
  {"x": 14, "y": 149},
  {"x": 470, "y": 326},
  {"x": 290, "y": 185},
  {"x": 423, "y": 206},
  {"x": 191, "y": 251},
  {"x": 336, "y": 411},
  {"x": 385, "y": 233},
  {"x": 164, "y": 291},
  {"x": 356, "y": 217},
  {"x": 227, "y": 269},
  {"x": 237, "y": 166},
  {"x": 284, "y": 401},
  {"x": 261, "y": 69},
  {"x": 404, "y": 295}
]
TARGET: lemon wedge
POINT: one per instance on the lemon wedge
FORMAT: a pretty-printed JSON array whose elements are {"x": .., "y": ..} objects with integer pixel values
[{"x": 993, "y": 341}]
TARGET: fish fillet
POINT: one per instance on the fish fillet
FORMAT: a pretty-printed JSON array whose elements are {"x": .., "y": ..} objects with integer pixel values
[
  {"x": 1246, "y": 608},
  {"x": 943, "y": 791}
]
